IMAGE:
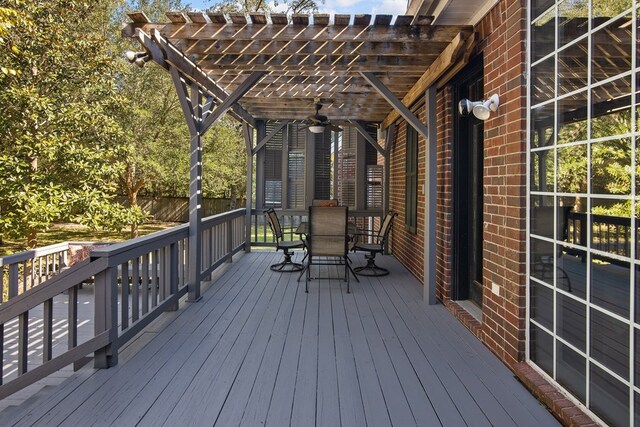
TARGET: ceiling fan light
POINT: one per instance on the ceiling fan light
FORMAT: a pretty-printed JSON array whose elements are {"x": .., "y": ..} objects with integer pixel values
[{"x": 316, "y": 129}]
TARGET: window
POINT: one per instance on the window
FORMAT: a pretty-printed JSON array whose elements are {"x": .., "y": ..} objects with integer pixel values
[
  {"x": 411, "y": 181},
  {"x": 584, "y": 258}
]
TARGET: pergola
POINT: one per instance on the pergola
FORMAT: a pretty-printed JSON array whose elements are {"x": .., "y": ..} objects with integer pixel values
[{"x": 260, "y": 67}]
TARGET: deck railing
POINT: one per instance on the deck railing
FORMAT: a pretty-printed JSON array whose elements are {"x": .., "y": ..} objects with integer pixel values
[
  {"x": 25, "y": 270},
  {"x": 290, "y": 219},
  {"x": 134, "y": 282}
]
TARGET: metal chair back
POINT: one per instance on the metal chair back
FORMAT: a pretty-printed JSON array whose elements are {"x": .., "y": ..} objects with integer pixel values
[
  {"x": 328, "y": 231},
  {"x": 274, "y": 224},
  {"x": 385, "y": 227}
]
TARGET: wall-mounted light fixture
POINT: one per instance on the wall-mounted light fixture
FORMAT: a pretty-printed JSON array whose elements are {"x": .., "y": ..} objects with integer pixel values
[
  {"x": 480, "y": 109},
  {"x": 138, "y": 58}
]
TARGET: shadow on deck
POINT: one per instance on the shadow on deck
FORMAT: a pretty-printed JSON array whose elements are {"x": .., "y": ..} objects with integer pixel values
[{"x": 258, "y": 350}]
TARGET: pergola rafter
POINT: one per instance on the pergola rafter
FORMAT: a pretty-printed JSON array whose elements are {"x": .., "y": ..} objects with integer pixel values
[{"x": 306, "y": 57}]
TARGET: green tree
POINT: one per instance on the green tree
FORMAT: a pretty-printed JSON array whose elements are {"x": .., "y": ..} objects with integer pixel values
[
  {"x": 243, "y": 6},
  {"x": 224, "y": 161},
  {"x": 60, "y": 143}
]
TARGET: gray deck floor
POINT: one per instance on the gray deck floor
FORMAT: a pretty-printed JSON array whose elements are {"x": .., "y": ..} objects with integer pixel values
[{"x": 257, "y": 350}]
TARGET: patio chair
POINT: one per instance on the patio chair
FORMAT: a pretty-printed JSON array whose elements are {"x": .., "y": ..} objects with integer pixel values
[
  {"x": 287, "y": 265},
  {"x": 328, "y": 238},
  {"x": 373, "y": 244}
]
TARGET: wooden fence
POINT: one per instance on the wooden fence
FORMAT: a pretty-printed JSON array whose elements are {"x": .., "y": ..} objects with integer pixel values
[{"x": 176, "y": 209}]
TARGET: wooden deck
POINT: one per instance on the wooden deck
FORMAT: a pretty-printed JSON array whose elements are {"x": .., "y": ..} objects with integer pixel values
[{"x": 258, "y": 350}]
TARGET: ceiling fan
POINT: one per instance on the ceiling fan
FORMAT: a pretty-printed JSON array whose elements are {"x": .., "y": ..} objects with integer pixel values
[{"x": 317, "y": 123}]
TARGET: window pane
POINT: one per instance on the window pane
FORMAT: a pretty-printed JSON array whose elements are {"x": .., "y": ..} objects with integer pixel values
[
  {"x": 611, "y": 226},
  {"x": 573, "y": 63},
  {"x": 539, "y": 6},
  {"x": 637, "y": 288},
  {"x": 572, "y": 321},
  {"x": 611, "y": 167},
  {"x": 636, "y": 357},
  {"x": 541, "y": 349},
  {"x": 573, "y": 20},
  {"x": 610, "y": 284},
  {"x": 609, "y": 398},
  {"x": 572, "y": 169},
  {"x": 542, "y": 260},
  {"x": 543, "y": 81},
  {"x": 610, "y": 342},
  {"x": 611, "y": 108},
  {"x": 543, "y": 173},
  {"x": 572, "y": 271},
  {"x": 571, "y": 371},
  {"x": 611, "y": 50},
  {"x": 572, "y": 118},
  {"x": 542, "y": 216},
  {"x": 602, "y": 10},
  {"x": 542, "y": 122},
  {"x": 542, "y": 37},
  {"x": 542, "y": 305}
]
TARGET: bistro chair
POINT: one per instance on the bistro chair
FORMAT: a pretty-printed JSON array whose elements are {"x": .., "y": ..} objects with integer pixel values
[
  {"x": 373, "y": 244},
  {"x": 328, "y": 237},
  {"x": 287, "y": 265}
]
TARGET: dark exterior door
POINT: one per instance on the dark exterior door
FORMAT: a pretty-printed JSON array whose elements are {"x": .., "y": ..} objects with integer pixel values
[{"x": 468, "y": 154}]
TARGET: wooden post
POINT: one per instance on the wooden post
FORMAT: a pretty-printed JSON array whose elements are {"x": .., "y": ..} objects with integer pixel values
[
  {"x": 248, "y": 139},
  {"x": 429, "y": 289},
  {"x": 389, "y": 138},
  {"x": 195, "y": 197},
  {"x": 105, "y": 294}
]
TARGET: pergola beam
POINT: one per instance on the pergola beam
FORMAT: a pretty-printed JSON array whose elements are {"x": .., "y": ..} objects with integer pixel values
[
  {"x": 447, "y": 58},
  {"x": 230, "y": 100},
  {"x": 411, "y": 119},
  {"x": 362, "y": 131},
  {"x": 166, "y": 55},
  {"x": 267, "y": 138}
]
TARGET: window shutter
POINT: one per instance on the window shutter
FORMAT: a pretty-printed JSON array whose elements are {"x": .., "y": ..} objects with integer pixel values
[
  {"x": 295, "y": 166},
  {"x": 411, "y": 181}
]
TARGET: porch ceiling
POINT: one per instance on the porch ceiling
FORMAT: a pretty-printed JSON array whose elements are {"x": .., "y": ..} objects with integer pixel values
[{"x": 307, "y": 57}]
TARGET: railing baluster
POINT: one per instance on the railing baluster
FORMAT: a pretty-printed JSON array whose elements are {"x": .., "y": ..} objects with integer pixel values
[
  {"x": 173, "y": 273},
  {"x": 23, "y": 342},
  {"x": 72, "y": 328},
  {"x": 124, "y": 303},
  {"x": 47, "y": 334},
  {"x": 167, "y": 271},
  {"x": 2, "y": 285},
  {"x": 135, "y": 286},
  {"x": 156, "y": 279},
  {"x": 13, "y": 280},
  {"x": 1, "y": 352},
  {"x": 229, "y": 238},
  {"x": 25, "y": 276},
  {"x": 145, "y": 284}
]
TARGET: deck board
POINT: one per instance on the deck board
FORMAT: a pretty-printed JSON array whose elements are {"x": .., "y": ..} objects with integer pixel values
[{"x": 258, "y": 350}]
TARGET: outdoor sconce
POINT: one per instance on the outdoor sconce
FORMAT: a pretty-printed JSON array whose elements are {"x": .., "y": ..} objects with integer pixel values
[
  {"x": 138, "y": 58},
  {"x": 481, "y": 109}
]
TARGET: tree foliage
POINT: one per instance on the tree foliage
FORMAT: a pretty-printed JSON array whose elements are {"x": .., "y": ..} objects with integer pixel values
[
  {"x": 244, "y": 6},
  {"x": 60, "y": 141}
]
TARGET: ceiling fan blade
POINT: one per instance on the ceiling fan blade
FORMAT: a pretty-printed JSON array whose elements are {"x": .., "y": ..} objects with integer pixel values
[
  {"x": 300, "y": 129},
  {"x": 334, "y": 128}
]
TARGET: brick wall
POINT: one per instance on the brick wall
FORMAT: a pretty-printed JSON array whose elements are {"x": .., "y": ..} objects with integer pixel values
[{"x": 502, "y": 43}]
